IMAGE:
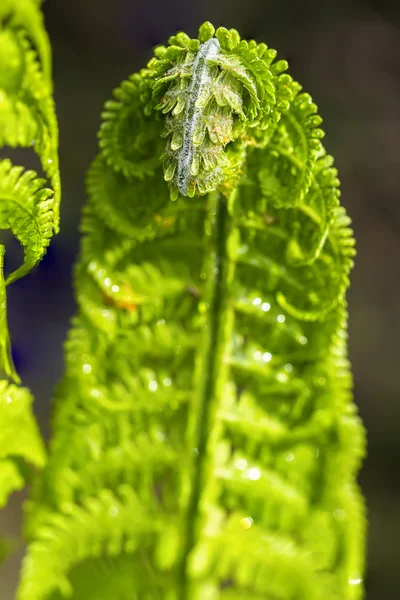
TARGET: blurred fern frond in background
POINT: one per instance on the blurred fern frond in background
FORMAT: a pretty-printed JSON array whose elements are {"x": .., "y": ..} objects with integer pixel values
[
  {"x": 28, "y": 210},
  {"x": 206, "y": 443}
]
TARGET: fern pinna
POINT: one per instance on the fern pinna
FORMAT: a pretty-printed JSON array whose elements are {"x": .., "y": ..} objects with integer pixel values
[
  {"x": 27, "y": 208},
  {"x": 205, "y": 439}
]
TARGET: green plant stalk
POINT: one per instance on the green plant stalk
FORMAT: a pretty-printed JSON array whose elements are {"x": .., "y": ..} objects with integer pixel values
[
  {"x": 206, "y": 444},
  {"x": 210, "y": 370}
]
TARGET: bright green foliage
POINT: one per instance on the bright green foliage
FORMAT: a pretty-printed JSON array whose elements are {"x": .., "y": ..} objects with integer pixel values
[
  {"x": 27, "y": 208},
  {"x": 19, "y": 438},
  {"x": 205, "y": 440}
]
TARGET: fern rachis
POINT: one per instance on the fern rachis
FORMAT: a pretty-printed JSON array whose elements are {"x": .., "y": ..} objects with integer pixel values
[{"x": 205, "y": 440}]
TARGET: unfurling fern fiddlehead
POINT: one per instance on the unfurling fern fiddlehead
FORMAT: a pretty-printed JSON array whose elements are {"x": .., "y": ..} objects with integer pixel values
[
  {"x": 27, "y": 208},
  {"x": 205, "y": 440}
]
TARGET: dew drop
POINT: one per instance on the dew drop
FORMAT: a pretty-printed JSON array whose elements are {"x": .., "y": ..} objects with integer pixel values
[
  {"x": 355, "y": 581},
  {"x": 254, "y": 473},
  {"x": 241, "y": 464},
  {"x": 246, "y": 522}
]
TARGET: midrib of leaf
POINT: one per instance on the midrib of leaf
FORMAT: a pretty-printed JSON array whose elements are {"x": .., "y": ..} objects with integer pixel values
[{"x": 211, "y": 367}]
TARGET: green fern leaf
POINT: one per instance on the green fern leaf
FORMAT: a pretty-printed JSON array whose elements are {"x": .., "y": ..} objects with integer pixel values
[
  {"x": 27, "y": 208},
  {"x": 19, "y": 438},
  {"x": 205, "y": 440}
]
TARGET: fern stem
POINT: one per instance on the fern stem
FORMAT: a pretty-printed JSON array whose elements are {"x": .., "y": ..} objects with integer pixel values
[{"x": 210, "y": 376}]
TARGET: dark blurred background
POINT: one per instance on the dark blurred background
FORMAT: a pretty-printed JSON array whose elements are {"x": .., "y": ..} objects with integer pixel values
[{"x": 347, "y": 55}]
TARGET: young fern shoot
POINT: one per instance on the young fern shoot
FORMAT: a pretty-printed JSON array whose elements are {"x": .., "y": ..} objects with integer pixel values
[
  {"x": 206, "y": 443},
  {"x": 28, "y": 210}
]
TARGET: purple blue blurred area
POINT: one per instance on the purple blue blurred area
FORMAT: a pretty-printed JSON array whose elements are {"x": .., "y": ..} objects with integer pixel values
[{"x": 346, "y": 53}]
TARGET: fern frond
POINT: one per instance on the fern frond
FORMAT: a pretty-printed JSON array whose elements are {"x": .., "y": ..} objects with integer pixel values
[
  {"x": 78, "y": 534},
  {"x": 213, "y": 94},
  {"x": 128, "y": 137},
  {"x": 27, "y": 119},
  {"x": 244, "y": 556},
  {"x": 25, "y": 14},
  {"x": 27, "y": 208},
  {"x": 206, "y": 369},
  {"x": 27, "y": 115},
  {"x": 288, "y": 164}
]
